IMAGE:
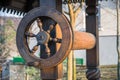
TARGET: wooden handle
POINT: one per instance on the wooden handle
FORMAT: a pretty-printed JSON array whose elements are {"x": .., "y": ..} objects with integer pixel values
[{"x": 83, "y": 40}]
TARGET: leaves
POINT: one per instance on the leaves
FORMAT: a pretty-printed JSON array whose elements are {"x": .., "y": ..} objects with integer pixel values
[
  {"x": 34, "y": 74},
  {"x": 7, "y": 38}
]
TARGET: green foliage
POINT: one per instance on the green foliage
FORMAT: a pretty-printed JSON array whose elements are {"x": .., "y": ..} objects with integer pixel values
[
  {"x": 7, "y": 37},
  {"x": 33, "y": 73},
  {"x": 2, "y": 39},
  {"x": 9, "y": 22},
  {"x": 65, "y": 65},
  {"x": 9, "y": 32}
]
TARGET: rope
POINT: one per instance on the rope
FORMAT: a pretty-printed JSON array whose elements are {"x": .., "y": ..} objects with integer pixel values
[{"x": 118, "y": 39}]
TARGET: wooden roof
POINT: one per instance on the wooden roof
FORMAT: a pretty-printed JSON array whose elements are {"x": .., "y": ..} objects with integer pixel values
[{"x": 18, "y": 5}]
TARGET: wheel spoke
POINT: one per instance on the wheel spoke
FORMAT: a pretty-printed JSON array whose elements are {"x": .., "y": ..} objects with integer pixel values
[
  {"x": 47, "y": 50},
  {"x": 57, "y": 40},
  {"x": 39, "y": 24},
  {"x": 50, "y": 28},
  {"x": 34, "y": 49},
  {"x": 30, "y": 34}
]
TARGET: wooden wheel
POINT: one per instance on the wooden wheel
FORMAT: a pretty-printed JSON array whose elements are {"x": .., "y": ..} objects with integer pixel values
[{"x": 43, "y": 37}]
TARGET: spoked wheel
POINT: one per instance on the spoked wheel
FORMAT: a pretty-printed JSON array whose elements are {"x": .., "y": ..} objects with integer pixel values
[{"x": 36, "y": 36}]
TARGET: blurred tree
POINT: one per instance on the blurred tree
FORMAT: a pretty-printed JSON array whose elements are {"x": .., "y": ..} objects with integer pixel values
[
  {"x": 7, "y": 38},
  {"x": 72, "y": 13},
  {"x": 3, "y": 52}
]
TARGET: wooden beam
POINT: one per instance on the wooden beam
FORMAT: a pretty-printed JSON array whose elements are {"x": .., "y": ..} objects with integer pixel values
[
  {"x": 83, "y": 40},
  {"x": 93, "y": 72},
  {"x": 55, "y": 73}
]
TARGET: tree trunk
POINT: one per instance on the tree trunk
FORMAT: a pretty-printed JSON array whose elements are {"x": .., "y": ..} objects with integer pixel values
[{"x": 71, "y": 61}]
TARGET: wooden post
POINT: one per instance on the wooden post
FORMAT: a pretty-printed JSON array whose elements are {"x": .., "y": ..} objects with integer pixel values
[
  {"x": 0, "y": 72},
  {"x": 55, "y": 73},
  {"x": 70, "y": 66},
  {"x": 93, "y": 72}
]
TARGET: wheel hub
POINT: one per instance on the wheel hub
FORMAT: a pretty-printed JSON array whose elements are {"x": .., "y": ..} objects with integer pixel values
[{"x": 43, "y": 37}]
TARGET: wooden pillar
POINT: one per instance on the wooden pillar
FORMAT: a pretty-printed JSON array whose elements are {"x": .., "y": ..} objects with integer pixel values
[
  {"x": 55, "y": 73},
  {"x": 0, "y": 72},
  {"x": 93, "y": 72}
]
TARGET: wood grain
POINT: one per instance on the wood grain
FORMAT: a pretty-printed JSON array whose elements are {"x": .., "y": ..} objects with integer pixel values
[{"x": 83, "y": 40}]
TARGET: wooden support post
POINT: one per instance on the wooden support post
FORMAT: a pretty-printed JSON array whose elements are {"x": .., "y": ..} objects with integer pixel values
[
  {"x": 55, "y": 73},
  {"x": 0, "y": 72},
  {"x": 93, "y": 72}
]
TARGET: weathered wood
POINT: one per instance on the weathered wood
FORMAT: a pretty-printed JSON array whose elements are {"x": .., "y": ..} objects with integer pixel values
[
  {"x": 56, "y": 72},
  {"x": 83, "y": 40},
  {"x": 93, "y": 72},
  {"x": 46, "y": 61},
  {"x": 52, "y": 73}
]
